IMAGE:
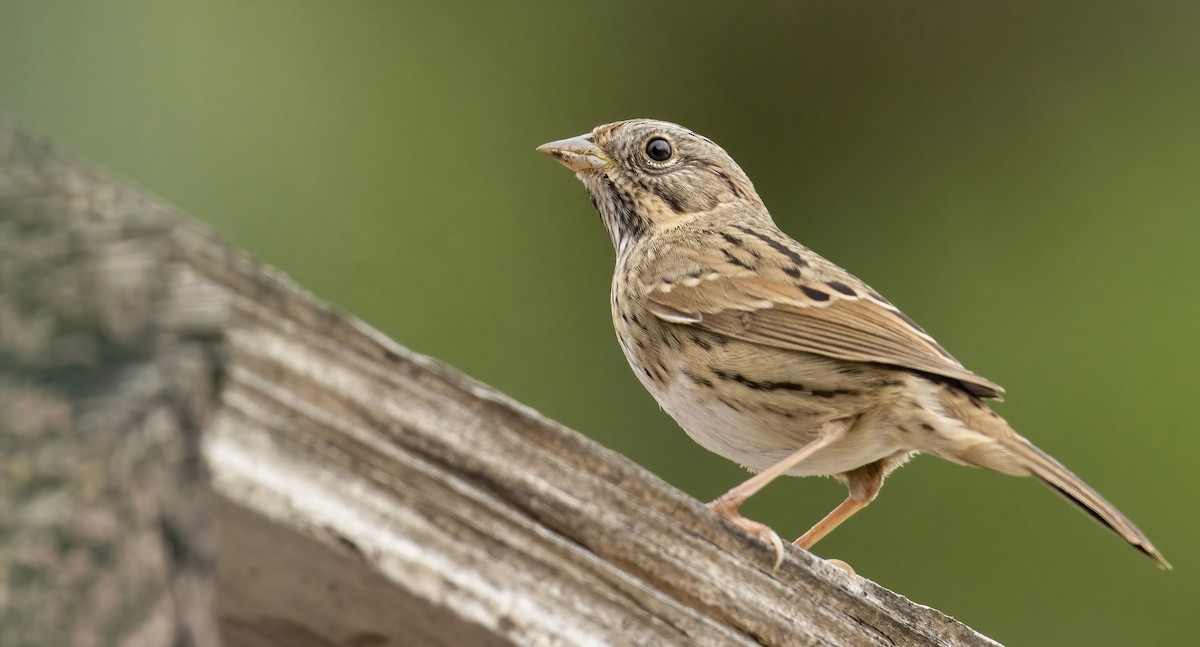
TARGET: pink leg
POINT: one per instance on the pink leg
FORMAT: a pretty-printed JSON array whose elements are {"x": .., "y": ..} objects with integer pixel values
[{"x": 727, "y": 504}]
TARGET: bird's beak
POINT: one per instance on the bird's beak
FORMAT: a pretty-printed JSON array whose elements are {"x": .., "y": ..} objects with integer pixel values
[{"x": 577, "y": 153}]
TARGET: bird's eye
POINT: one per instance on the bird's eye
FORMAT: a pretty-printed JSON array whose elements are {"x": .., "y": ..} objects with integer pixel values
[{"x": 658, "y": 149}]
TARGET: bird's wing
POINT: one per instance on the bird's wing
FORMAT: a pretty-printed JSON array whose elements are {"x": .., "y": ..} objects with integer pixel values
[{"x": 760, "y": 286}]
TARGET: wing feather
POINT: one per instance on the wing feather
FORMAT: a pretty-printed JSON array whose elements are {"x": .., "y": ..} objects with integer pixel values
[{"x": 774, "y": 311}]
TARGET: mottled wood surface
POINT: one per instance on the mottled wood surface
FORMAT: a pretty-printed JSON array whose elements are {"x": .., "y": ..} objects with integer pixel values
[{"x": 196, "y": 451}]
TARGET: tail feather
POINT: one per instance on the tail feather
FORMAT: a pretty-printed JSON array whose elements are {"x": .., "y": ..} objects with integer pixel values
[
  {"x": 1073, "y": 489},
  {"x": 980, "y": 418}
]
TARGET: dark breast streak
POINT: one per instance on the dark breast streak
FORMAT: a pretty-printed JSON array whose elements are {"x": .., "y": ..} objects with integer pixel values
[{"x": 645, "y": 339}]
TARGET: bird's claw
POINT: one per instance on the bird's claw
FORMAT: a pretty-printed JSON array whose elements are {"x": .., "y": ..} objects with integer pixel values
[
  {"x": 842, "y": 565},
  {"x": 760, "y": 530}
]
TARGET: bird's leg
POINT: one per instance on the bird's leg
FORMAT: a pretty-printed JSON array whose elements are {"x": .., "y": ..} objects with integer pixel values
[
  {"x": 864, "y": 485},
  {"x": 727, "y": 504},
  {"x": 832, "y": 520}
]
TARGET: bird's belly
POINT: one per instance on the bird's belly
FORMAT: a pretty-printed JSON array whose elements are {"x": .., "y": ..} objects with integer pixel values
[{"x": 758, "y": 429}]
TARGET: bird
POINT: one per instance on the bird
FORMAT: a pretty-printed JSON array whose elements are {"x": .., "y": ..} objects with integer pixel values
[{"x": 768, "y": 354}]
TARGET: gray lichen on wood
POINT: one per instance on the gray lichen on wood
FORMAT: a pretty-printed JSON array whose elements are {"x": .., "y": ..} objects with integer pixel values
[{"x": 156, "y": 384}]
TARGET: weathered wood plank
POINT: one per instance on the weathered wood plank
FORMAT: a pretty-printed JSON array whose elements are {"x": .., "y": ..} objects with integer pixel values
[{"x": 367, "y": 495}]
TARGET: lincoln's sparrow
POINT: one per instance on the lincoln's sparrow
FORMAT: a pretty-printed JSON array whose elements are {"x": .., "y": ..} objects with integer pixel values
[{"x": 770, "y": 355}]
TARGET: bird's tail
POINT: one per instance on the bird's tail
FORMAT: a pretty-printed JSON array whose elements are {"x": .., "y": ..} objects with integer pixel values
[{"x": 978, "y": 417}]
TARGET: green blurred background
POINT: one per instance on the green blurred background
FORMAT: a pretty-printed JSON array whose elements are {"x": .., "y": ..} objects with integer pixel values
[{"x": 1021, "y": 177}]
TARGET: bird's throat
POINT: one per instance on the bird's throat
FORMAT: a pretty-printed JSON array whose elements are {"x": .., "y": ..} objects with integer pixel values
[{"x": 617, "y": 210}]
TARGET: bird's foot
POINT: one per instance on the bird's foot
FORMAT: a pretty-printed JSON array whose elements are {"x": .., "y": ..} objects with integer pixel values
[
  {"x": 842, "y": 565},
  {"x": 760, "y": 530}
]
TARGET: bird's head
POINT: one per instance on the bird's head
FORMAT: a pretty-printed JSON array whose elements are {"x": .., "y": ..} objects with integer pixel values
[{"x": 645, "y": 175}]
